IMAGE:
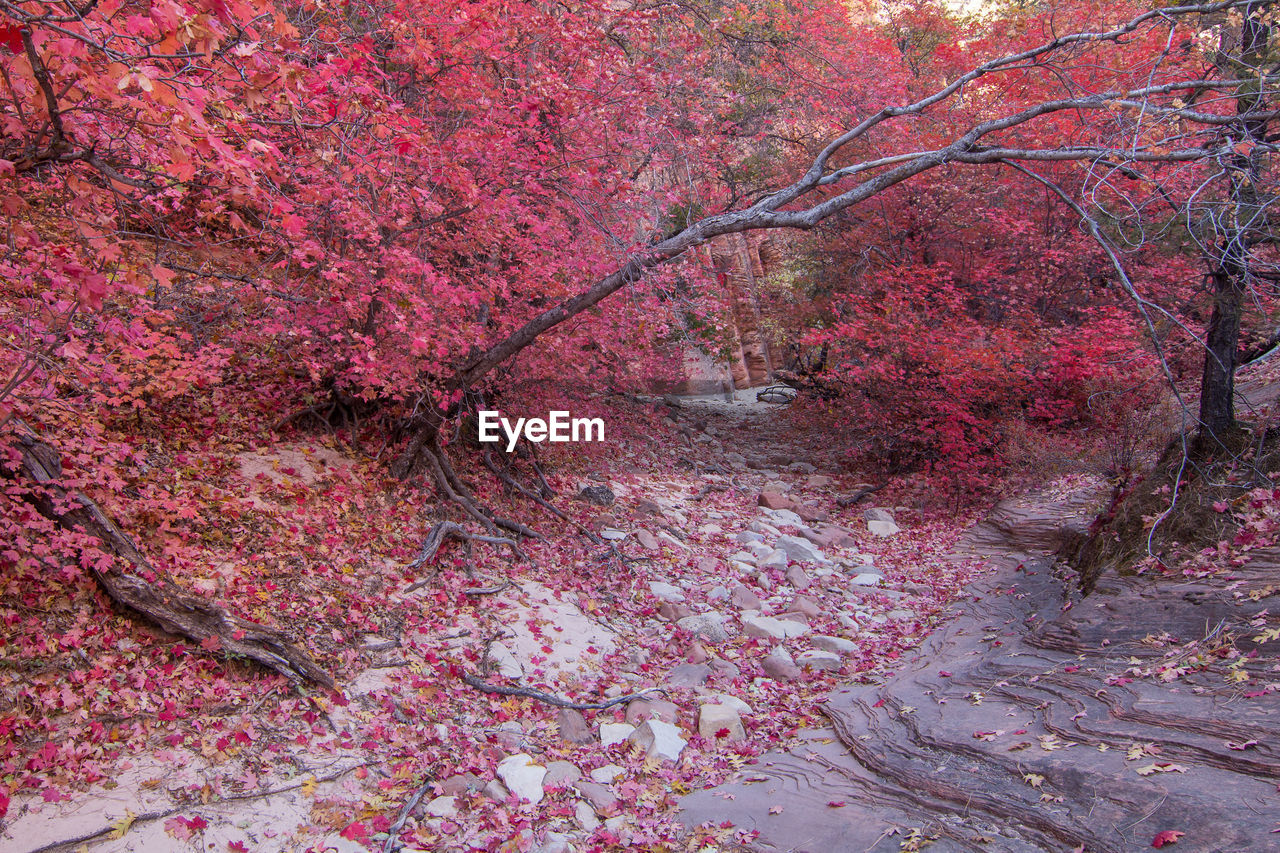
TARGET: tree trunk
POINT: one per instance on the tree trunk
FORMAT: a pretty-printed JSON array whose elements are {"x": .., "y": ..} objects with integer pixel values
[{"x": 1217, "y": 384}]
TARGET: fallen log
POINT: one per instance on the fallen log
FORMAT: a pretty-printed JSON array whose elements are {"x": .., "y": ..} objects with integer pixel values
[{"x": 136, "y": 585}]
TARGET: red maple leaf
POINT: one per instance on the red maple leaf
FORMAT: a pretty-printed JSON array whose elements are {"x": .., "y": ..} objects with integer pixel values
[{"x": 1169, "y": 836}]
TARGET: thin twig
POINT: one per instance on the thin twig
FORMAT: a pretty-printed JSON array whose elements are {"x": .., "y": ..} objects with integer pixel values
[{"x": 551, "y": 699}]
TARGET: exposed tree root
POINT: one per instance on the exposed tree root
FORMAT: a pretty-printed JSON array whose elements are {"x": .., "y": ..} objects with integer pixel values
[
  {"x": 443, "y": 530},
  {"x": 539, "y": 498},
  {"x": 860, "y": 495},
  {"x": 136, "y": 585},
  {"x": 551, "y": 699}
]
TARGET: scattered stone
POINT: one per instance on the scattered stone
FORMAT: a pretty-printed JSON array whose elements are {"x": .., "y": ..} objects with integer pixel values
[
  {"x": 819, "y": 481},
  {"x": 785, "y": 518},
  {"x": 674, "y": 612},
  {"x": 507, "y": 663},
  {"x": 667, "y": 537},
  {"x": 798, "y": 578},
  {"x": 806, "y": 605},
  {"x": 598, "y": 495},
  {"x": 611, "y": 733},
  {"x": 697, "y": 653},
  {"x": 561, "y": 774},
  {"x": 586, "y": 816},
  {"x": 792, "y": 616},
  {"x": 556, "y": 842},
  {"x": 775, "y": 500},
  {"x": 742, "y": 568},
  {"x": 605, "y": 775},
  {"x": 446, "y": 807},
  {"x": 801, "y": 467},
  {"x": 573, "y": 727},
  {"x": 800, "y": 550},
  {"x": 759, "y": 550},
  {"x": 647, "y": 540},
  {"x": 720, "y": 722},
  {"x": 780, "y": 666},
  {"x": 648, "y": 507},
  {"x": 652, "y": 709},
  {"x": 613, "y": 534},
  {"x": 463, "y": 783},
  {"x": 743, "y": 598},
  {"x": 522, "y": 777},
  {"x": 764, "y": 582},
  {"x": 839, "y": 645},
  {"x": 723, "y": 670},
  {"x": 775, "y": 560},
  {"x": 917, "y": 588},
  {"x": 866, "y": 579},
  {"x": 901, "y": 615},
  {"x": 496, "y": 791},
  {"x": 511, "y": 735},
  {"x": 769, "y": 628},
  {"x": 710, "y": 626},
  {"x": 877, "y": 514},
  {"x": 819, "y": 659},
  {"x": 743, "y": 557},
  {"x": 666, "y": 591},
  {"x": 883, "y": 529},
  {"x": 659, "y": 739},
  {"x": 764, "y": 528},
  {"x": 710, "y": 529},
  {"x": 733, "y": 702},
  {"x": 720, "y": 593},
  {"x": 689, "y": 675},
  {"x": 708, "y": 565},
  {"x": 748, "y": 536}
]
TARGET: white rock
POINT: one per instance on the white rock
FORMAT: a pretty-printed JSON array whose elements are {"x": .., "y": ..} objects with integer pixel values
[
  {"x": 783, "y": 517},
  {"x": 883, "y": 529},
  {"x": 801, "y": 550},
  {"x": 508, "y": 665},
  {"x": 709, "y": 626},
  {"x": 769, "y": 628},
  {"x": 446, "y": 807},
  {"x": 556, "y": 842},
  {"x": 877, "y": 513},
  {"x": 776, "y": 560},
  {"x": 759, "y": 550},
  {"x": 522, "y": 777},
  {"x": 763, "y": 527},
  {"x": 733, "y": 702},
  {"x": 718, "y": 718},
  {"x": 659, "y": 739},
  {"x": 748, "y": 536},
  {"x": 611, "y": 733},
  {"x": 743, "y": 557},
  {"x": 742, "y": 568},
  {"x": 605, "y": 775},
  {"x": 866, "y": 579},
  {"x": 667, "y": 537},
  {"x": 611, "y": 533},
  {"x": 666, "y": 591},
  {"x": 839, "y": 645},
  {"x": 901, "y": 615},
  {"x": 586, "y": 816},
  {"x": 818, "y": 659}
]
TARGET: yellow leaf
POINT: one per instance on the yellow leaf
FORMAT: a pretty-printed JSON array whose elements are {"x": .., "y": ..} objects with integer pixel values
[
  {"x": 309, "y": 787},
  {"x": 1033, "y": 779},
  {"x": 121, "y": 826}
]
